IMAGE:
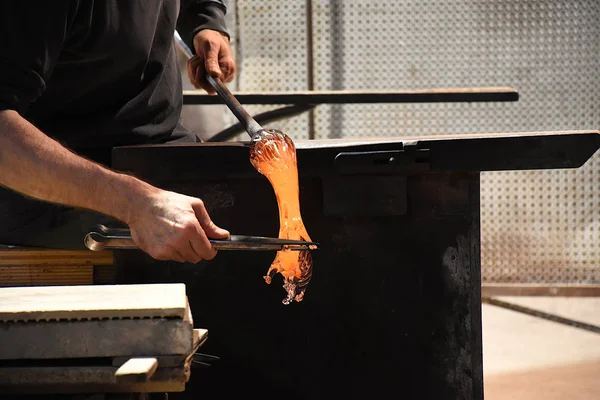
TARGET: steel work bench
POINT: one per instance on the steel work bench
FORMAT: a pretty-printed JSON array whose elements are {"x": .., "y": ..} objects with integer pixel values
[{"x": 394, "y": 305}]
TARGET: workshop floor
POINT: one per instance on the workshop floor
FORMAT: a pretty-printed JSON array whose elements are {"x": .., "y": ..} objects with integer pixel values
[{"x": 528, "y": 358}]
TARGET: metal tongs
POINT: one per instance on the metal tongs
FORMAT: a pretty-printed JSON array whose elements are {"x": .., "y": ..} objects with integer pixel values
[{"x": 120, "y": 238}]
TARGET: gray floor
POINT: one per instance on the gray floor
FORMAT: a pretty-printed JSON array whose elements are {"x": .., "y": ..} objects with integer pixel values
[{"x": 529, "y": 358}]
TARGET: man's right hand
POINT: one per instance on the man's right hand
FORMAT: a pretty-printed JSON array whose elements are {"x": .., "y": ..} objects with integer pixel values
[
  {"x": 167, "y": 225},
  {"x": 172, "y": 226}
]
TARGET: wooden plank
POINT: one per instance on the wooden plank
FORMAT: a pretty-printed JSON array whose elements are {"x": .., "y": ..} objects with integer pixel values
[
  {"x": 434, "y": 95},
  {"x": 86, "y": 379},
  {"x": 517, "y": 289},
  {"x": 146, "y": 387},
  {"x": 25, "y": 256},
  {"x": 109, "y": 301},
  {"x": 136, "y": 370},
  {"x": 96, "y": 338},
  {"x": 45, "y": 275}
]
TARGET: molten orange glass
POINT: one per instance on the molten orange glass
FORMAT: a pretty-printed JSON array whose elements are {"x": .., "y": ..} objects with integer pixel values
[{"x": 273, "y": 154}]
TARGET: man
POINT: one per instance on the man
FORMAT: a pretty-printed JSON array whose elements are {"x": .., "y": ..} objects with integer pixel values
[{"x": 78, "y": 77}]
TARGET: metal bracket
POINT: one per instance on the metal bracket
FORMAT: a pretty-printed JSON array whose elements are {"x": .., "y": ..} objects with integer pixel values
[
  {"x": 383, "y": 162},
  {"x": 364, "y": 195}
]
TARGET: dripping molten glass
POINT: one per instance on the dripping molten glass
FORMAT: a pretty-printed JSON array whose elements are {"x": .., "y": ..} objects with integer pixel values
[{"x": 273, "y": 154}]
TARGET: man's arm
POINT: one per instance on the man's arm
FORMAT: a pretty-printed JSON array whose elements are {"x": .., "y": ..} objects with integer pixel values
[
  {"x": 167, "y": 225},
  {"x": 202, "y": 26},
  {"x": 164, "y": 224}
]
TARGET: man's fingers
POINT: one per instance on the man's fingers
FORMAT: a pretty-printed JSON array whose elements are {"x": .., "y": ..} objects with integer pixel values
[
  {"x": 189, "y": 253},
  {"x": 212, "y": 230},
  {"x": 202, "y": 245},
  {"x": 202, "y": 83},
  {"x": 228, "y": 69},
  {"x": 192, "y": 66},
  {"x": 227, "y": 64},
  {"x": 196, "y": 74},
  {"x": 177, "y": 256},
  {"x": 211, "y": 55}
]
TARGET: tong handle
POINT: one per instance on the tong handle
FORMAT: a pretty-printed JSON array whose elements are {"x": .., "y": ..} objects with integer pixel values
[
  {"x": 249, "y": 123},
  {"x": 119, "y": 238}
]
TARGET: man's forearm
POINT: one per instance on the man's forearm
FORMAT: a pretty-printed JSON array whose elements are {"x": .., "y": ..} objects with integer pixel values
[{"x": 35, "y": 165}]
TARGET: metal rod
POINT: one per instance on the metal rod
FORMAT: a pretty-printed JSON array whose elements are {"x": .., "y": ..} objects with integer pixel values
[
  {"x": 120, "y": 238},
  {"x": 249, "y": 123},
  {"x": 464, "y": 95},
  {"x": 310, "y": 64},
  {"x": 268, "y": 116},
  {"x": 97, "y": 241},
  {"x": 541, "y": 314},
  {"x": 337, "y": 58},
  {"x": 182, "y": 45},
  {"x": 239, "y": 55}
]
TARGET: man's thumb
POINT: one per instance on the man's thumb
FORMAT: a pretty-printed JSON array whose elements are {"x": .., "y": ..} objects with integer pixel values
[{"x": 212, "y": 62}]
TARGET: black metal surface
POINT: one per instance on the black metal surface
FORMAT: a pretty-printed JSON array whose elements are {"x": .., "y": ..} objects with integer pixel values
[
  {"x": 382, "y": 161},
  {"x": 392, "y": 307},
  {"x": 460, "y": 95},
  {"x": 364, "y": 196},
  {"x": 447, "y": 153}
]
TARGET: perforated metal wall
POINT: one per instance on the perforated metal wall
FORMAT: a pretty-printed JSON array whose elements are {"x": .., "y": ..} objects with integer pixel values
[{"x": 537, "y": 226}]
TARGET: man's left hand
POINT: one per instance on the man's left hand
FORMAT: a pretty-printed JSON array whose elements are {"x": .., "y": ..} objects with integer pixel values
[{"x": 213, "y": 55}]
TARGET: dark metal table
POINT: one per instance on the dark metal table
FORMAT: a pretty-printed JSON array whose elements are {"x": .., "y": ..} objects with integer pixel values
[{"x": 394, "y": 306}]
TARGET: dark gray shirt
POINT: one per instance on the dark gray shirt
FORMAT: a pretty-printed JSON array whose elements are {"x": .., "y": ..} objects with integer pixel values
[{"x": 93, "y": 74}]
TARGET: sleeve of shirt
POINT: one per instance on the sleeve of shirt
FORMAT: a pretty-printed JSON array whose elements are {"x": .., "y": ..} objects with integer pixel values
[
  {"x": 196, "y": 15},
  {"x": 32, "y": 35}
]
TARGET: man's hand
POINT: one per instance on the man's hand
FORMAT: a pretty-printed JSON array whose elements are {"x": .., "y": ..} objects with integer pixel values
[
  {"x": 167, "y": 225},
  {"x": 213, "y": 55},
  {"x": 173, "y": 226}
]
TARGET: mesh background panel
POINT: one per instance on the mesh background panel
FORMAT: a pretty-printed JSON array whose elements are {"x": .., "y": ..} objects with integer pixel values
[{"x": 537, "y": 226}]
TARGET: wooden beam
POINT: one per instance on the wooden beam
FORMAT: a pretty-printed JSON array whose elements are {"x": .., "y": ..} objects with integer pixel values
[
  {"x": 86, "y": 379},
  {"x": 485, "y": 94},
  {"x": 25, "y": 256},
  {"x": 519, "y": 289},
  {"x": 45, "y": 275}
]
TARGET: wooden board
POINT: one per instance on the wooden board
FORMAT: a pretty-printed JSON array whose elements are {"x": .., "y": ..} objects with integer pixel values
[
  {"x": 434, "y": 95},
  {"x": 26, "y": 256},
  {"x": 42, "y": 275},
  {"x": 86, "y": 379},
  {"x": 77, "y": 302}
]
